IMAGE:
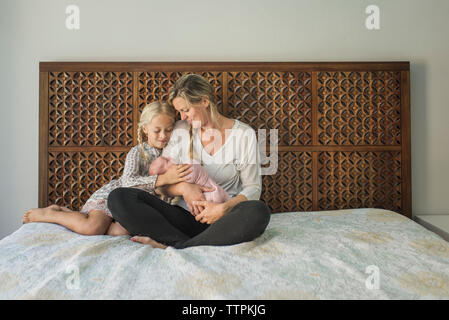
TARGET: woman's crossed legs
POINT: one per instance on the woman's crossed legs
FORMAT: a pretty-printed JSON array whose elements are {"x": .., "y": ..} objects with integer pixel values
[{"x": 143, "y": 214}]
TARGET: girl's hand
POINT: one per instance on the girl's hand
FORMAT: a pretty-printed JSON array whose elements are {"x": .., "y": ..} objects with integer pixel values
[
  {"x": 211, "y": 213},
  {"x": 176, "y": 173},
  {"x": 194, "y": 192}
]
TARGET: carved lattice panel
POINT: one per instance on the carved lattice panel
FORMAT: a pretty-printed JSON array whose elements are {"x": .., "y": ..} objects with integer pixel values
[
  {"x": 154, "y": 86},
  {"x": 290, "y": 189},
  {"x": 74, "y": 176},
  {"x": 90, "y": 109},
  {"x": 273, "y": 100},
  {"x": 359, "y": 108},
  {"x": 343, "y": 128},
  {"x": 359, "y": 180}
]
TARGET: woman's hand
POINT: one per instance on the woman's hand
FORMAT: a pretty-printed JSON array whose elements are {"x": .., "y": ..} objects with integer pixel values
[
  {"x": 176, "y": 173},
  {"x": 194, "y": 192},
  {"x": 211, "y": 213}
]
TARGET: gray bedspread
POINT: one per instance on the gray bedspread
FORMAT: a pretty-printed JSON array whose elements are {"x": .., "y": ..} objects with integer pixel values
[{"x": 339, "y": 254}]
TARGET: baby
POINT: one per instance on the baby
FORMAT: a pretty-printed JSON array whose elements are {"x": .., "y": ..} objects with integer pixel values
[{"x": 198, "y": 176}]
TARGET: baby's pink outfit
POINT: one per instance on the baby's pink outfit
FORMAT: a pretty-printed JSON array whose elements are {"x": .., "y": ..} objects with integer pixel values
[{"x": 198, "y": 176}]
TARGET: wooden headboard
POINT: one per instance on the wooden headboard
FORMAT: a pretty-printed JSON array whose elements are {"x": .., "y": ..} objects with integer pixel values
[{"x": 343, "y": 128}]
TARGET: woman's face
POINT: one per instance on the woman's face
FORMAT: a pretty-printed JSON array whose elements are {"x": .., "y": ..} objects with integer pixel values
[
  {"x": 159, "y": 131},
  {"x": 197, "y": 112}
]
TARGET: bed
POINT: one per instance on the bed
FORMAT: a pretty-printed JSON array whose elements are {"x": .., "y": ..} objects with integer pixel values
[
  {"x": 337, "y": 179},
  {"x": 332, "y": 254}
]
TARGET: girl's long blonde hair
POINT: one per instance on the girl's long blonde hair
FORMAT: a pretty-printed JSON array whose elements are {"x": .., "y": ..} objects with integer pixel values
[
  {"x": 150, "y": 111},
  {"x": 193, "y": 88}
]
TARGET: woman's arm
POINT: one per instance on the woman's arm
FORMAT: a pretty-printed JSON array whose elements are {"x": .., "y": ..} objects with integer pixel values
[
  {"x": 250, "y": 176},
  {"x": 181, "y": 188},
  {"x": 249, "y": 167},
  {"x": 228, "y": 205}
]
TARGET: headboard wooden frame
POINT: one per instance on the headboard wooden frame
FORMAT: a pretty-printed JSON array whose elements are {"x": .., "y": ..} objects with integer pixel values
[{"x": 344, "y": 127}]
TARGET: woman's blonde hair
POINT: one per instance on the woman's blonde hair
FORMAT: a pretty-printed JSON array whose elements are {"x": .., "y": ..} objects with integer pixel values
[
  {"x": 150, "y": 111},
  {"x": 193, "y": 88}
]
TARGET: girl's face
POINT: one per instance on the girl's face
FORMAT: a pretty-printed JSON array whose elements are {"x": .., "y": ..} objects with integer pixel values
[
  {"x": 159, "y": 131},
  {"x": 197, "y": 113}
]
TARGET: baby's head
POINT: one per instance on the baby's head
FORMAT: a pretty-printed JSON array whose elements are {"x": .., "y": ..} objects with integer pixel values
[{"x": 160, "y": 165}]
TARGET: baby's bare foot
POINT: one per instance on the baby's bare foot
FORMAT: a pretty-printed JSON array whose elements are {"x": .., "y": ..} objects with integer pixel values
[{"x": 148, "y": 240}]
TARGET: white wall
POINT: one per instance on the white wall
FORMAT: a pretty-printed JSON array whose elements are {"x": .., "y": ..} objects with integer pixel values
[{"x": 210, "y": 30}]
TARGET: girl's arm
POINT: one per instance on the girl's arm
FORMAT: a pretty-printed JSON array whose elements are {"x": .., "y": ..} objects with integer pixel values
[
  {"x": 174, "y": 190},
  {"x": 173, "y": 150},
  {"x": 131, "y": 177}
]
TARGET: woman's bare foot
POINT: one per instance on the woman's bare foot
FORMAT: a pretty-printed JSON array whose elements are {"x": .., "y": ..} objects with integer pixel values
[
  {"x": 148, "y": 240},
  {"x": 116, "y": 229}
]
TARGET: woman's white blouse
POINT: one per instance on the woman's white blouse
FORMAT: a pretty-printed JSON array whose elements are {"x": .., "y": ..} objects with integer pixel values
[{"x": 235, "y": 166}]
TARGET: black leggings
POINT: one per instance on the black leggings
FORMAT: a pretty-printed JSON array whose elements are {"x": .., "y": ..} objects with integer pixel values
[{"x": 144, "y": 214}]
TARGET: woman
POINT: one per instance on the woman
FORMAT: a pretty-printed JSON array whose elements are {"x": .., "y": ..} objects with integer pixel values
[{"x": 234, "y": 166}]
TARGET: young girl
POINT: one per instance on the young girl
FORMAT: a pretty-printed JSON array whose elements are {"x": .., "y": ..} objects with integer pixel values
[{"x": 156, "y": 124}]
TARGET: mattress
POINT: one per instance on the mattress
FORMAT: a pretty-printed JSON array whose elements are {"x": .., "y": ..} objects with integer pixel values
[{"x": 337, "y": 254}]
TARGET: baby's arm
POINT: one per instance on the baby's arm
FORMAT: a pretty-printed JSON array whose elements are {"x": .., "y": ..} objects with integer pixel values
[{"x": 169, "y": 172}]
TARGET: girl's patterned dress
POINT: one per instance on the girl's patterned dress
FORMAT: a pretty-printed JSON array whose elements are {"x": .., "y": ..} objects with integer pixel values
[{"x": 135, "y": 174}]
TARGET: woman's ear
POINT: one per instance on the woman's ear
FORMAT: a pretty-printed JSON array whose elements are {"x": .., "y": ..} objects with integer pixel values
[{"x": 205, "y": 102}]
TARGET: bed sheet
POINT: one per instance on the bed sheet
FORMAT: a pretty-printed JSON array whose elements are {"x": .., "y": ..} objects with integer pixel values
[{"x": 337, "y": 254}]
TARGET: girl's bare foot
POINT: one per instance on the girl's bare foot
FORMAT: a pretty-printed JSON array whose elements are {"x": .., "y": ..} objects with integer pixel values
[
  {"x": 148, "y": 240},
  {"x": 39, "y": 214},
  {"x": 25, "y": 218},
  {"x": 65, "y": 209}
]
